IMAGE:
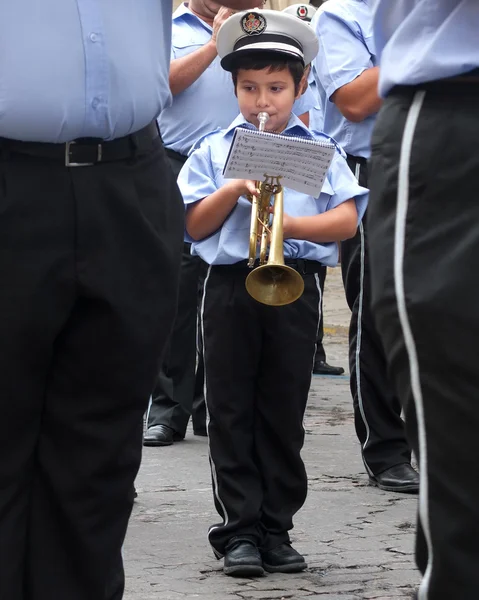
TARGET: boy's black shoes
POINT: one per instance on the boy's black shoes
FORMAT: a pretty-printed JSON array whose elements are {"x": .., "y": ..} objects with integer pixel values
[
  {"x": 322, "y": 368},
  {"x": 400, "y": 478},
  {"x": 283, "y": 559},
  {"x": 242, "y": 559}
]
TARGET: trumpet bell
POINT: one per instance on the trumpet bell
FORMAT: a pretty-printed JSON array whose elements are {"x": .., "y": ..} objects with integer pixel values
[{"x": 275, "y": 285}]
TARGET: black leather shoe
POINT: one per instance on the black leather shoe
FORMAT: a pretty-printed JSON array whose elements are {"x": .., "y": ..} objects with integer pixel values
[
  {"x": 242, "y": 559},
  {"x": 160, "y": 435},
  {"x": 283, "y": 559},
  {"x": 400, "y": 478},
  {"x": 322, "y": 368}
]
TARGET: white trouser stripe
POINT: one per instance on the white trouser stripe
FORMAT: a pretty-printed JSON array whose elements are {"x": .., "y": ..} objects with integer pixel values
[
  {"x": 399, "y": 244},
  {"x": 318, "y": 285},
  {"x": 359, "y": 337},
  {"x": 212, "y": 464}
]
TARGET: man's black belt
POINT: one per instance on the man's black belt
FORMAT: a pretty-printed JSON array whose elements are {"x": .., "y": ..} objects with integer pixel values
[
  {"x": 302, "y": 265},
  {"x": 84, "y": 152},
  {"x": 358, "y": 159}
]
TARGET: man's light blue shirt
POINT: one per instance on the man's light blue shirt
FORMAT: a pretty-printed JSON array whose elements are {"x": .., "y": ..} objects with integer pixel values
[
  {"x": 82, "y": 68},
  {"x": 346, "y": 49},
  {"x": 202, "y": 175},
  {"x": 316, "y": 119},
  {"x": 424, "y": 40},
  {"x": 210, "y": 102}
]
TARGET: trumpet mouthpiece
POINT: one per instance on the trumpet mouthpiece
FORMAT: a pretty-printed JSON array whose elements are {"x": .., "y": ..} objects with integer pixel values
[{"x": 263, "y": 119}]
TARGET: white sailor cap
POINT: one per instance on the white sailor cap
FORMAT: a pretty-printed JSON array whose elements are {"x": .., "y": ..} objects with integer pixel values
[
  {"x": 265, "y": 31},
  {"x": 305, "y": 12}
]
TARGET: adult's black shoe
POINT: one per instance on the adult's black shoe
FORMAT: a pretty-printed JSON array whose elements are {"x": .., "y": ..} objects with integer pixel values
[
  {"x": 160, "y": 435},
  {"x": 242, "y": 559},
  {"x": 283, "y": 559},
  {"x": 322, "y": 368},
  {"x": 400, "y": 478}
]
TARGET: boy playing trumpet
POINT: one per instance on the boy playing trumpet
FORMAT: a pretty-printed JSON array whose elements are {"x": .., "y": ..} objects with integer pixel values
[{"x": 258, "y": 358}]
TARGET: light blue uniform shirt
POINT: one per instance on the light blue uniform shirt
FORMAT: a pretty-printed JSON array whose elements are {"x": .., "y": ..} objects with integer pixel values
[
  {"x": 316, "y": 118},
  {"x": 202, "y": 175},
  {"x": 210, "y": 102},
  {"x": 82, "y": 68},
  {"x": 424, "y": 40},
  {"x": 346, "y": 49}
]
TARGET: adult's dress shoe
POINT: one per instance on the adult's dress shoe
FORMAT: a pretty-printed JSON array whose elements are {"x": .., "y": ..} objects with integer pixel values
[
  {"x": 242, "y": 559},
  {"x": 283, "y": 559},
  {"x": 400, "y": 478},
  {"x": 160, "y": 435},
  {"x": 322, "y": 368}
]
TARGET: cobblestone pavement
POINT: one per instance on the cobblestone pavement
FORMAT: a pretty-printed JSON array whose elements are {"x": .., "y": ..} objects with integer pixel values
[{"x": 358, "y": 540}]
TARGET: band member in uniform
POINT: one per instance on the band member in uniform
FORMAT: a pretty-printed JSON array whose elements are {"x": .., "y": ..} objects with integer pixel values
[
  {"x": 424, "y": 238},
  {"x": 347, "y": 75},
  {"x": 203, "y": 100},
  {"x": 91, "y": 227},
  {"x": 258, "y": 358},
  {"x": 305, "y": 12}
]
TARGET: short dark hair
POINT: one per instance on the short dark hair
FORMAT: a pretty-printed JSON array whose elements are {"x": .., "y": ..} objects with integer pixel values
[{"x": 258, "y": 61}]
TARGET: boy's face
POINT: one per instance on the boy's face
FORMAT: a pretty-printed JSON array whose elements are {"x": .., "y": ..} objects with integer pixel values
[{"x": 266, "y": 91}]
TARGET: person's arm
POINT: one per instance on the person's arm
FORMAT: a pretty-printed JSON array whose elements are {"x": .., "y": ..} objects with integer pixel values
[
  {"x": 360, "y": 98},
  {"x": 186, "y": 70},
  {"x": 334, "y": 225},
  {"x": 206, "y": 216},
  {"x": 344, "y": 69}
]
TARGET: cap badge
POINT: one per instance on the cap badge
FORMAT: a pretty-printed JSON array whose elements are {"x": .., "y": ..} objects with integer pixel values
[
  {"x": 253, "y": 23},
  {"x": 302, "y": 11}
]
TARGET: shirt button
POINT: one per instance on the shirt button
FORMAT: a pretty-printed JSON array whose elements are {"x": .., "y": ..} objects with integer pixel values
[
  {"x": 93, "y": 37},
  {"x": 95, "y": 102}
]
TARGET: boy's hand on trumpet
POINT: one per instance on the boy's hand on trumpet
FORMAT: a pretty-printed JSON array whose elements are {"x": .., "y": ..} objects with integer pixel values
[{"x": 244, "y": 187}]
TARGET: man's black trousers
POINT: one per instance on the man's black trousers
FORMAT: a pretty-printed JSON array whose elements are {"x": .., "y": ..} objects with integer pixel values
[
  {"x": 424, "y": 239},
  {"x": 176, "y": 389},
  {"x": 377, "y": 411},
  {"x": 89, "y": 261},
  {"x": 258, "y": 364}
]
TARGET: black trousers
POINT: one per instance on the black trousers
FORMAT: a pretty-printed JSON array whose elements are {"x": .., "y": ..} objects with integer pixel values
[
  {"x": 320, "y": 351},
  {"x": 258, "y": 363},
  {"x": 377, "y": 410},
  {"x": 89, "y": 261},
  {"x": 177, "y": 393},
  {"x": 424, "y": 238}
]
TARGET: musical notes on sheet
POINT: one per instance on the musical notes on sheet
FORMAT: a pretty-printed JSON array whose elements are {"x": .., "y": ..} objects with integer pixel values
[{"x": 301, "y": 162}]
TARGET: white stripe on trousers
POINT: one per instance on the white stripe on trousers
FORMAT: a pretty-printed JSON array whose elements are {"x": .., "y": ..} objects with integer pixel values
[
  {"x": 214, "y": 475},
  {"x": 399, "y": 245},
  {"x": 359, "y": 333}
]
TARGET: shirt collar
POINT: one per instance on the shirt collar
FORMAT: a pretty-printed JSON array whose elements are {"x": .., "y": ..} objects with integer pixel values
[
  {"x": 294, "y": 127},
  {"x": 183, "y": 12}
]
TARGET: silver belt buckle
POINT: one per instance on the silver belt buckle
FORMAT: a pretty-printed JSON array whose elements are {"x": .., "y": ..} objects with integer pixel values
[{"x": 68, "y": 163}]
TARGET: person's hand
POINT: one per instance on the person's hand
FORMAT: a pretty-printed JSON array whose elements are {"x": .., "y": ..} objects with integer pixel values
[
  {"x": 288, "y": 226},
  {"x": 221, "y": 16},
  {"x": 244, "y": 187}
]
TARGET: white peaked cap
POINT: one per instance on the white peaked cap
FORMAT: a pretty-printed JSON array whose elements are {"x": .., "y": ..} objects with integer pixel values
[
  {"x": 305, "y": 12},
  {"x": 265, "y": 31}
]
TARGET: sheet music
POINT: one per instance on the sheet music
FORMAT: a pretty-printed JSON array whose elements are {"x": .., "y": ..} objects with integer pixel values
[{"x": 302, "y": 163}]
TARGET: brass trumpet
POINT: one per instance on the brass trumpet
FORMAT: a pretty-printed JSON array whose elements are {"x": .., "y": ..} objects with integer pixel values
[{"x": 272, "y": 282}]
